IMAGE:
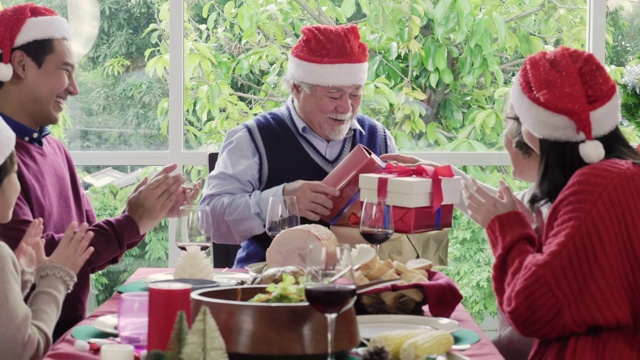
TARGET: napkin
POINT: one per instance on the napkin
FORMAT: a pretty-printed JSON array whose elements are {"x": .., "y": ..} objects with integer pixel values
[
  {"x": 133, "y": 286},
  {"x": 441, "y": 292},
  {"x": 465, "y": 336},
  {"x": 86, "y": 332}
]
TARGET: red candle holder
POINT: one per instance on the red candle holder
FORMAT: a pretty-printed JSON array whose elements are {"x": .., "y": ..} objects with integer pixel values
[{"x": 166, "y": 299}]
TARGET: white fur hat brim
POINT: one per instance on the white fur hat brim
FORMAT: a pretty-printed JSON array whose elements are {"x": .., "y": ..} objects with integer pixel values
[
  {"x": 327, "y": 74},
  {"x": 36, "y": 28},
  {"x": 7, "y": 140}
]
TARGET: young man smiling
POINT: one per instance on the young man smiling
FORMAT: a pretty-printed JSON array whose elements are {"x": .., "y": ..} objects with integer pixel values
[
  {"x": 36, "y": 77},
  {"x": 288, "y": 151}
]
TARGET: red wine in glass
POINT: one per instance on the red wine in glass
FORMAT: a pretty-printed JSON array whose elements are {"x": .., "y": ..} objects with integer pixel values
[
  {"x": 376, "y": 222},
  {"x": 202, "y": 246},
  {"x": 331, "y": 298},
  {"x": 376, "y": 237},
  {"x": 329, "y": 284}
]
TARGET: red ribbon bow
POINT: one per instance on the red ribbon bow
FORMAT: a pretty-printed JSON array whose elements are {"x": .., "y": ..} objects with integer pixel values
[{"x": 424, "y": 171}]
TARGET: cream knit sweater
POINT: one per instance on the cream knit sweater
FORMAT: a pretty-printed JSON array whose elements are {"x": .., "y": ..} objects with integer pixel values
[{"x": 25, "y": 328}]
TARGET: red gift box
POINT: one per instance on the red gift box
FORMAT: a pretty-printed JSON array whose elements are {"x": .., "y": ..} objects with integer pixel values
[
  {"x": 414, "y": 220},
  {"x": 345, "y": 178}
]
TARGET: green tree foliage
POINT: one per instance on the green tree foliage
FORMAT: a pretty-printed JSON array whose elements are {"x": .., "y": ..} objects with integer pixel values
[
  {"x": 109, "y": 201},
  {"x": 112, "y": 74},
  {"x": 623, "y": 36},
  {"x": 438, "y": 69}
]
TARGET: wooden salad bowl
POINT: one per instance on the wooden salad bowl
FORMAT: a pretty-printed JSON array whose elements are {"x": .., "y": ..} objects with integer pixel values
[{"x": 269, "y": 330}]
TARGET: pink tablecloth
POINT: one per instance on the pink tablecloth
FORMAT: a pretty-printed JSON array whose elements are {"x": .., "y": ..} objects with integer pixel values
[{"x": 63, "y": 349}]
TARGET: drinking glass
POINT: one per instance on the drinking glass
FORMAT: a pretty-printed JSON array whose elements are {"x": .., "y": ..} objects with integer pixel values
[
  {"x": 376, "y": 222},
  {"x": 192, "y": 222},
  {"x": 281, "y": 214},
  {"x": 329, "y": 284},
  {"x": 133, "y": 318}
]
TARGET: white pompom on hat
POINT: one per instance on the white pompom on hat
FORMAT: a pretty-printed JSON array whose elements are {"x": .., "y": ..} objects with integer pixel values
[
  {"x": 7, "y": 140},
  {"x": 567, "y": 95},
  {"x": 329, "y": 56},
  {"x": 22, "y": 24}
]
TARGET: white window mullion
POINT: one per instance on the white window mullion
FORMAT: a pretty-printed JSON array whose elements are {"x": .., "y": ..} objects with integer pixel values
[
  {"x": 597, "y": 27},
  {"x": 176, "y": 103}
]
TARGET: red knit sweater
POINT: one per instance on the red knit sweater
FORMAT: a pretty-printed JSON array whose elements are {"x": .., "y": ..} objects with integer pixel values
[
  {"x": 577, "y": 290},
  {"x": 51, "y": 190}
]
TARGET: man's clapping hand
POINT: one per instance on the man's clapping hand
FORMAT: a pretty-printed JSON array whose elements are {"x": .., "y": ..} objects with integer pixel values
[{"x": 153, "y": 199}]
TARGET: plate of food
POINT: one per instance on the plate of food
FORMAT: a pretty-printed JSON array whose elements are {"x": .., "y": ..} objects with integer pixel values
[
  {"x": 256, "y": 268},
  {"x": 372, "y": 325},
  {"x": 224, "y": 278},
  {"x": 107, "y": 323},
  {"x": 231, "y": 278},
  {"x": 168, "y": 275}
]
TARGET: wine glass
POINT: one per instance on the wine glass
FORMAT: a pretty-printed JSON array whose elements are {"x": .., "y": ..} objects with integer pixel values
[
  {"x": 193, "y": 220},
  {"x": 281, "y": 214},
  {"x": 329, "y": 284},
  {"x": 376, "y": 222}
]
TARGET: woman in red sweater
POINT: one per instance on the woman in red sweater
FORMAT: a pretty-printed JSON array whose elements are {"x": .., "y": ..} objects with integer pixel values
[{"x": 576, "y": 287}]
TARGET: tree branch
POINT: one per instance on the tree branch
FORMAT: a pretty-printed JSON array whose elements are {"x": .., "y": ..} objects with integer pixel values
[
  {"x": 509, "y": 65},
  {"x": 317, "y": 17},
  {"x": 535, "y": 33},
  {"x": 254, "y": 97},
  {"x": 524, "y": 14},
  {"x": 566, "y": 6},
  {"x": 447, "y": 134},
  {"x": 248, "y": 83},
  {"x": 408, "y": 78},
  {"x": 324, "y": 14},
  {"x": 391, "y": 66}
]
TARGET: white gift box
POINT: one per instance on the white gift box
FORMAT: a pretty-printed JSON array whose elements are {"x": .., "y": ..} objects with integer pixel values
[{"x": 410, "y": 192}]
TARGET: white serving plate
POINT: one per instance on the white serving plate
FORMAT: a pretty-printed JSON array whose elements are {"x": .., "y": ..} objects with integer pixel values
[
  {"x": 372, "y": 325},
  {"x": 224, "y": 278},
  {"x": 107, "y": 323}
]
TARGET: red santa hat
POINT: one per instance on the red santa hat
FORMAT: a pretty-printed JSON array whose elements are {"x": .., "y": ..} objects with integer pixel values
[
  {"x": 329, "y": 56},
  {"x": 25, "y": 23},
  {"x": 7, "y": 140},
  {"x": 567, "y": 95}
]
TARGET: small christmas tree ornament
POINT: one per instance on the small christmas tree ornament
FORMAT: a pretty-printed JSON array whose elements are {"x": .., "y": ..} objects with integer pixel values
[
  {"x": 193, "y": 264},
  {"x": 204, "y": 341},
  {"x": 178, "y": 337}
]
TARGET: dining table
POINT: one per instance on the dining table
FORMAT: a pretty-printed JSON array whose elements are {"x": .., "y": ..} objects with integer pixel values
[{"x": 64, "y": 348}]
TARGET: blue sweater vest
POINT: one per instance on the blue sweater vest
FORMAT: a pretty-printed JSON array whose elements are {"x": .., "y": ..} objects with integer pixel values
[{"x": 287, "y": 156}]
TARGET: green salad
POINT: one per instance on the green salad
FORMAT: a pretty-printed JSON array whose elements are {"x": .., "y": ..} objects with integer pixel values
[{"x": 286, "y": 291}]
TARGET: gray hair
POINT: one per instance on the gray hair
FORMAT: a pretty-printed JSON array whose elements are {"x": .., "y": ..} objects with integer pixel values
[{"x": 289, "y": 82}]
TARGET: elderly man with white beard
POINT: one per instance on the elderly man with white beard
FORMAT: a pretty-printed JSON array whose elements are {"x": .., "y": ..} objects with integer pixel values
[{"x": 289, "y": 150}]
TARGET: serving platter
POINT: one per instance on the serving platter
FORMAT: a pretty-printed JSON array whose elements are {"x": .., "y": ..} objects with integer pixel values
[
  {"x": 224, "y": 278},
  {"x": 372, "y": 325}
]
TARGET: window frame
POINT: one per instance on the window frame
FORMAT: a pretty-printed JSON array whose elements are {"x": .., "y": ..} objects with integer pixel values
[{"x": 596, "y": 30}]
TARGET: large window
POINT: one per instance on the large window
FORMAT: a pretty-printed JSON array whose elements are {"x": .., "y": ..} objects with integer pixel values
[
  {"x": 162, "y": 81},
  {"x": 623, "y": 58}
]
